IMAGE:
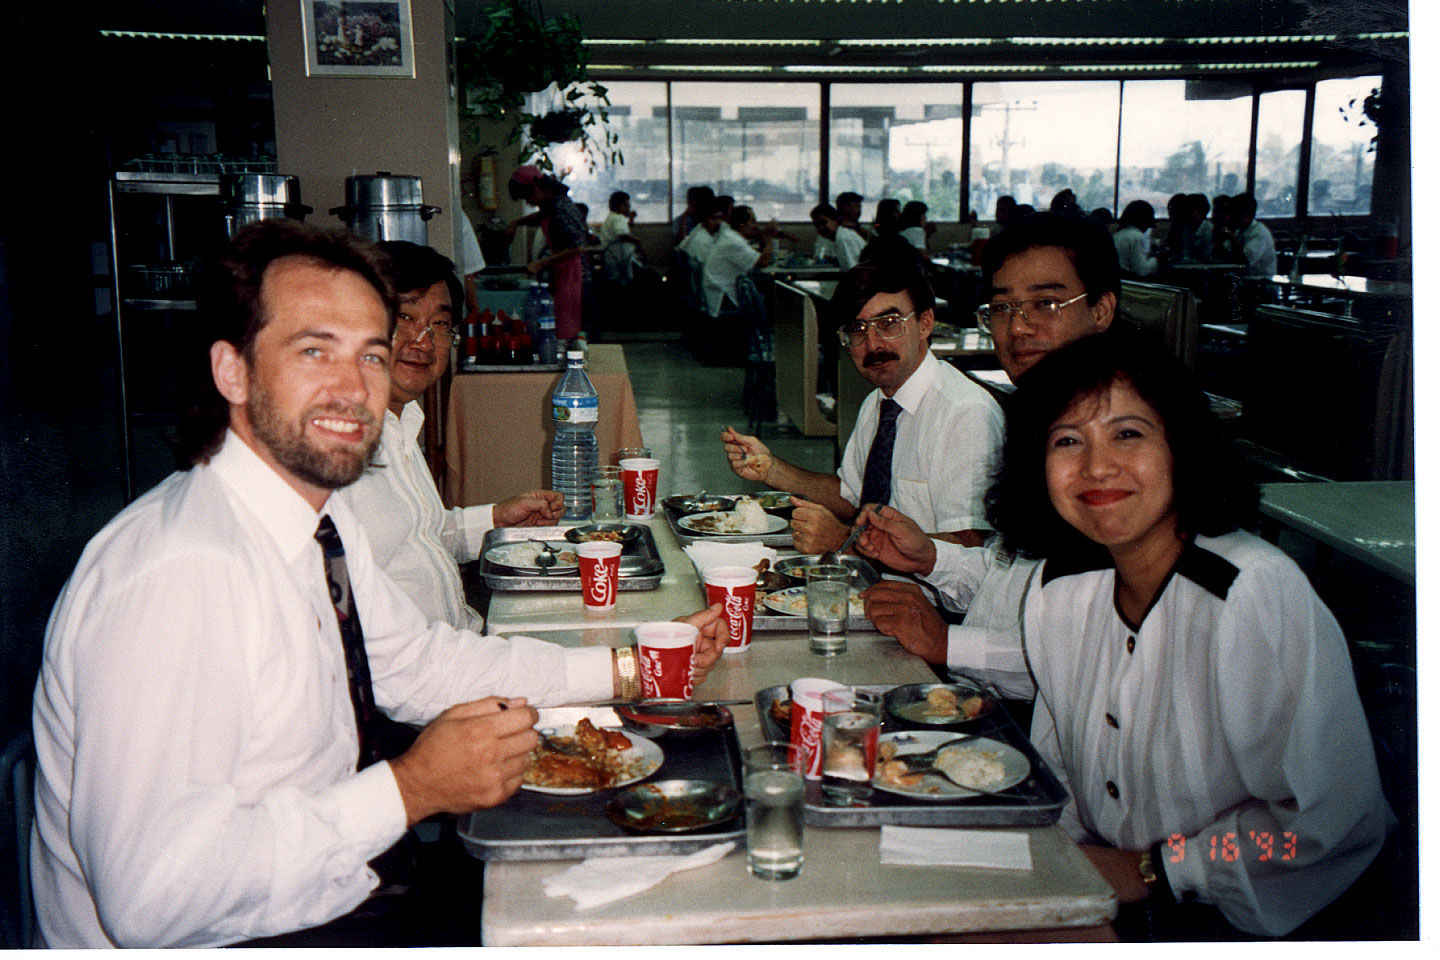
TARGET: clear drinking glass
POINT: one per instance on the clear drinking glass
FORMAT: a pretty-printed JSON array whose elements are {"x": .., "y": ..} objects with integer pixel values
[
  {"x": 607, "y": 495},
  {"x": 632, "y": 453},
  {"x": 774, "y": 813},
  {"x": 851, "y": 741},
  {"x": 827, "y": 607}
]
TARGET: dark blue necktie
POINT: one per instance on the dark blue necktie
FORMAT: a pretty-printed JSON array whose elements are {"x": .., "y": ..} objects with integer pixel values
[
  {"x": 876, "y": 485},
  {"x": 357, "y": 663}
]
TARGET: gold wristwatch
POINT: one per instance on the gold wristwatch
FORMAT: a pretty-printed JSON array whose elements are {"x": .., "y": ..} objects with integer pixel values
[
  {"x": 1148, "y": 876},
  {"x": 629, "y": 670}
]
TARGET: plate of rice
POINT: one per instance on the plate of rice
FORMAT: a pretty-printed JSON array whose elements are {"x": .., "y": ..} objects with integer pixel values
[{"x": 988, "y": 764}]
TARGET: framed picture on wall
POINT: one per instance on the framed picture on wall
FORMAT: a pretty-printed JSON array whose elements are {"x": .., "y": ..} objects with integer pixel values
[{"x": 358, "y": 38}]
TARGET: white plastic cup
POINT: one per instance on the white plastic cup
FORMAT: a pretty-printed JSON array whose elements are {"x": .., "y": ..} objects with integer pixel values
[
  {"x": 807, "y": 719},
  {"x": 735, "y": 588},
  {"x": 599, "y": 574},
  {"x": 667, "y": 659},
  {"x": 641, "y": 477}
]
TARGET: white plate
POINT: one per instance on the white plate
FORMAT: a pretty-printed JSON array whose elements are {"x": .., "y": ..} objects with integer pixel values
[
  {"x": 791, "y": 602},
  {"x": 773, "y": 524},
  {"x": 644, "y": 754},
  {"x": 937, "y": 786},
  {"x": 521, "y": 555}
]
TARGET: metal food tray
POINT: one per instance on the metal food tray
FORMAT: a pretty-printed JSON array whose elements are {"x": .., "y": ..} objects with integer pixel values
[
  {"x": 466, "y": 366},
  {"x": 540, "y": 826},
  {"x": 782, "y": 538},
  {"x": 1037, "y": 802},
  {"x": 640, "y": 565}
]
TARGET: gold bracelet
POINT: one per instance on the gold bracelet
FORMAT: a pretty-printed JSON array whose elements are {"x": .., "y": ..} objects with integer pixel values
[
  {"x": 1148, "y": 876},
  {"x": 629, "y": 670}
]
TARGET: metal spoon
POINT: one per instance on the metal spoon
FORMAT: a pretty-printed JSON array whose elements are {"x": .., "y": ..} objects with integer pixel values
[
  {"x": 835, "y": 556},
  {"x": 924, "y": 762},
  {"x": 571, "y": 749},
  {"x": 547, "y": 558}
]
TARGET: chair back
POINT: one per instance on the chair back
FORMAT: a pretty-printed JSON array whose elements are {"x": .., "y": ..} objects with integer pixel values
[
  {"x": 17, "y": 815},
  {"x": 1169, "y": 311},
  {"x": 797, "y": 360},
  {"x": 1330, "y": 396},
  {"x": 618, "y": 261}
]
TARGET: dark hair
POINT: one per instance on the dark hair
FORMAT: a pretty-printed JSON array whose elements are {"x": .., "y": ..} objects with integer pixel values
[
  {"x": 1138, "y": 213},
  {"x": 618, "y": 199},
  {"x": 1088, "y": 243},
  {"x": 232, "y": 310},
  {"x": 1064, "y": 202},
  {"x": 912, "y": 213},
  {"x": 1024, "y": 210},
  {"x": 1243, "y": 204},
  {"x": 885, "y": 274},
  {"x": 824, "y": 210},
  {"x": 698, "y": 195},
  {"x": 415, "y": 269},
  {"x": 727, "y": 203},
  {"x": 1213, "y": 495},
  {"x": 1102, "y": 215},
  {"x": 740, "y": 216},
  {"x": 708, "y": 208},
  {"x": 1199, "y": 203},
  {"x": 849, "y": 196}
]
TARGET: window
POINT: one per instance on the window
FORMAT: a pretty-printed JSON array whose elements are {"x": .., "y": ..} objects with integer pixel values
[
  {"x": 1342, "y": 161},
  {"x": 898, "y": 140},
  {"x": 1280, "y": 126},
  {"x": 1032, "y": 140},
  {"x": 638, "y": 116},
  {"x": 1179, "y": 136},
  {"x": 758, "y": 142}
]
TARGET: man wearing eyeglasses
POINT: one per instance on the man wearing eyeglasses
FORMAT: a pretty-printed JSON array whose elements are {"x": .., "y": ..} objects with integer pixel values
[
  {"x": 414, "y": 538},
  {"x": 925, "y": 441}
]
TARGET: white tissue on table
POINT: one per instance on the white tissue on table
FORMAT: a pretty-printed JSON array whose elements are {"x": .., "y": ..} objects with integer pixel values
[
  {"x": 706, "y": 554},
  {"x": 931, "y": 846},
  {"x": 601, "y": 880}
]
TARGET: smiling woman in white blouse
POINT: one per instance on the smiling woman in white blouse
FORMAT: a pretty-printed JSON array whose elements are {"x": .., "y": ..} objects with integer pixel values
[{"x": 1191, "y": 689}]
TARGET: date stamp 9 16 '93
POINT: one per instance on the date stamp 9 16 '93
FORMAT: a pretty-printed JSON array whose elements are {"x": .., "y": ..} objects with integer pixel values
[{"x": 1226, "y": 847}]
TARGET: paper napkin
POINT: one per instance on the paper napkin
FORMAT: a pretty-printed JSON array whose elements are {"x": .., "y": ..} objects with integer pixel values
[
  {"x": 706, "y": 554},
  {"x": 930, "y": 846},
  {"x": 601, "y": 880}
]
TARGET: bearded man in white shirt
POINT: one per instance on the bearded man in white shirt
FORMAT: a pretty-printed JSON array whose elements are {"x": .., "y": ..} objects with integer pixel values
[
  {"x": 414, "y": 538},
  {"x": 204, "y": 717},
  {"x": 925, "y": 439}
]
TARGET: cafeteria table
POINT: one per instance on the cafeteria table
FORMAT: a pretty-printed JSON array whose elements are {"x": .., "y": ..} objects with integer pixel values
[
  {"x": 1372, "y": 521},
  {"x": 843, "y": 892},
  {"x": 498, "y": 427}
]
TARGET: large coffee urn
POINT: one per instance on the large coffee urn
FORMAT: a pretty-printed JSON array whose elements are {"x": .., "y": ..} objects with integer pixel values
[
  {"x": 386, "y": 207},
  {"x": 248, "y": 197}
]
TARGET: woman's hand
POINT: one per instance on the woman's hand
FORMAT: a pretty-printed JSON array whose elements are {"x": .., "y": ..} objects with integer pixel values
[
  {"x": 895, "y": 540},
  {"x": 901, "y": 610},
  {"x": 1121, "y": 869}
]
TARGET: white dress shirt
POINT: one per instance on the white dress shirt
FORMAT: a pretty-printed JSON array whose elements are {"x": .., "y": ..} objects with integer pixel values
[
  {"x": 471, "y": 259},
  {"x": 988, "y": 584},
  {"x": 196, "y": 740},
  {"x": 413, "y": 537},
  {"x": 947, "y": 442},
  {"x": 824, "y": 248},
  {"x": 730, "y": 257},
  {"x": 1132, "y": 246},
  {"x": 697, "y": 243},
  {"x": 915, "y": 236},
  {"x": 614, "y": 225},
  {"x": 1235, "y": 716},
  {"x": 847, "y": 244},
  {"x": 1259, "y": 248}
]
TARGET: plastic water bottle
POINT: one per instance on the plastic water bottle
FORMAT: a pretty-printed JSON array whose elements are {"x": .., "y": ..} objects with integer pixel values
[
  {"x": 574, "y": 455},
  {"x": 540, "y": 320}
]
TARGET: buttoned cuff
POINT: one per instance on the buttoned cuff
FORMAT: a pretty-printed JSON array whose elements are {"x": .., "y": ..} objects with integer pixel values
[
  {"x": 371, "y": 809},
  {"x": 588, "y": 674},
  {"x": 475, "y": 522}
]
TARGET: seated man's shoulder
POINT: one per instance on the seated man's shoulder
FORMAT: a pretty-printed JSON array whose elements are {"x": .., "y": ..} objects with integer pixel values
[{"x": 959, "y": 391}]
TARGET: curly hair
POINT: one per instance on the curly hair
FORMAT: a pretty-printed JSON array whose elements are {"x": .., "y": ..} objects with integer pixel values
[{"x": 1213, "y": 494}]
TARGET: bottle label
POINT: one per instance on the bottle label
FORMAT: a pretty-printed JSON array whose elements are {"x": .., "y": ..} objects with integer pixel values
[{"x": 575, "y": 409}]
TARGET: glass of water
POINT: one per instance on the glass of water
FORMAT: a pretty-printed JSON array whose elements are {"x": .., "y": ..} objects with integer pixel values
[
  {"x": 851, "y": 740},
  {"x": 607, "y": 495},
  {"x": 774, "y": 812},
  {"x": 827, "y": 606},
  {"x": 632, "y": 453}
]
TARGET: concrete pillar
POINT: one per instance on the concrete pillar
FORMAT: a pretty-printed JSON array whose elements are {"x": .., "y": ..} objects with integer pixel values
[{"x": 329, "y": 128}]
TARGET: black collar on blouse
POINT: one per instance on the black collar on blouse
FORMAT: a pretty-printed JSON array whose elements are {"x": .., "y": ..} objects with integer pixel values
[{"x": 1204, "y": 568}]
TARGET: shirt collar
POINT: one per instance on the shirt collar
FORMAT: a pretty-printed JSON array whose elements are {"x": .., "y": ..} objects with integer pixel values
[
  {"x": 411, "y": 419},
  {"x": 913, "y": 390},
  {"x": 284, "y": 514}
]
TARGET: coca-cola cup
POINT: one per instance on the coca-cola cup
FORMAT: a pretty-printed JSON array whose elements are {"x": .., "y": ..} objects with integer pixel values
[
  {"x": 807, "y": 719},
  {"x": 599, "y": 574},
  {"x": 735, "y": 588},
  {"x": 641, "y": 476},
  {"x": 667, "y": 653}
]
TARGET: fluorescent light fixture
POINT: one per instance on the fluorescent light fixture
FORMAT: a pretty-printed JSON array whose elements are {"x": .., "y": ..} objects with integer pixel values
[
  {"x": 831, "y": 68},
  {"x": 1390, "y": 35},
  {"x": 1278, "y": 38},
  {"x": 983, "y": 68},
  {"x": 150, "y": 35},
  {"x": 611, "y": 67},
  {"x": 921, "y": 42},
  {"x": 703, "y": 42},
  {"x": 1273, "y": 65},
  {"x": 614, "y": 42},
  {"x": 692, "y": 68},
  {"x": 1120, "y": 68},
  {"x": 1087, "y": 41}
]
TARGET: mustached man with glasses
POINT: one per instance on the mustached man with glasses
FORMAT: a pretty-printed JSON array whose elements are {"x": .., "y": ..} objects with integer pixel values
[
  {"x": 415, "y": 539},
  {"x": 926, "y": 439}
]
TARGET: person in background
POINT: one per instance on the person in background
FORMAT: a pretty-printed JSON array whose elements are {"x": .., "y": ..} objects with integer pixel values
[
  {"x": 1177, "y": 208},
  {"x": 216, "y": 665},
  {"x": 841, "y": 242},
  {"x": 1004, "y": 210},
  {"x": 567, "y": 235},
  {"x": 732, "y": 255},
  {"x": 924, "y": 439},
  {"x": 472, "y": 261},
  {"x": 887, "y": 218},
  {"x": 1022, "y": 211},
  {"x": 1199, "y": 240},
  {"x": 849, "y": 206},
  {"x": 698, "y": 242},
  {"x": 413, "y": 537},
  {"x": 913, "y": 225},
  {"x": 1132, "y": 240},
  {"x": 727, "y": 205},
  {"x": 591, "y": 237},
  {"x": 1191, "y": 688},
  {"x": 620, "y": 221},
  {"x": 1048, "y": 280},
  {"x": 1250, "y": 241},
  {"x": 695, "y": 198},
  {"x": 1102, "y": 216},
  {"x": 1065, "y": 202}
]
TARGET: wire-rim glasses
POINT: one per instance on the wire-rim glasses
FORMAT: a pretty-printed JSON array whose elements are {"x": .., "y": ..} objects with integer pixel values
[
  {"x": 1041, "y": 310},
  {"x": 889, "y": 326}
]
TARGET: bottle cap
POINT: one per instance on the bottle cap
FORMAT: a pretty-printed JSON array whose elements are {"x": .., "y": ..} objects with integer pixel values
[{"x": 574, "y": 355}]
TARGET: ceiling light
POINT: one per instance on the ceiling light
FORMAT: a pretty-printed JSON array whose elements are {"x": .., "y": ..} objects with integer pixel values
[
  {"x": 982, "y": 68},
  {"x": 692, "y": 68},
  {"x": 149, "y": 35},
  {"x": 836, "y": 69},
  {"x": 921, "y": 42},
  {"x": 704, "y": 42}
]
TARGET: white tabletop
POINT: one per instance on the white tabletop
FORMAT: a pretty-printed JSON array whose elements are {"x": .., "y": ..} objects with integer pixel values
[
  {"x": 1357, "y": 286},
  {"x": 843, "y": 892},
  {"x": 1372, "y": 521}
]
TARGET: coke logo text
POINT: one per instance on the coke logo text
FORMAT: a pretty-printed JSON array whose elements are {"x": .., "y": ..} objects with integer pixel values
[{"x": 601, "y": 583}]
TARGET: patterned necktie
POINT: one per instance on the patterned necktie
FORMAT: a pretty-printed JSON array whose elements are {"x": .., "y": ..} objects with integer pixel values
[
  {"x": 357, "y": 664},
  {"x": 876, "y": 485}
]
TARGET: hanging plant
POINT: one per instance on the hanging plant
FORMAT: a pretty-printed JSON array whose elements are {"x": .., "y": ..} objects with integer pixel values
[
  {"x": 520, "y": 55},
  {"x": 1371, "y": 111}
]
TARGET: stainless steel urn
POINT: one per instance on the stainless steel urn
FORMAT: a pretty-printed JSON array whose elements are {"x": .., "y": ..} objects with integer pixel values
[
  {"x": 384, "y": 206},
  {"x": 247, "y": 197}
]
